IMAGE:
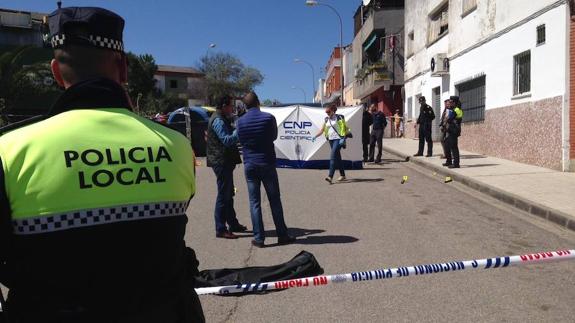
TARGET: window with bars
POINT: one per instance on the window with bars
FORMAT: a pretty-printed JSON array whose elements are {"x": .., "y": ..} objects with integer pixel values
[
  {"x": 438, "y": 23},
  {"x": 409, "y": 108},
  {"x": 173, "y": 84},
  {"x": 522, "y": 73},
  {"x": 540, "y": 34},
  {"x": 468, "y": 6},
  {"x": 472, "y": 97}
]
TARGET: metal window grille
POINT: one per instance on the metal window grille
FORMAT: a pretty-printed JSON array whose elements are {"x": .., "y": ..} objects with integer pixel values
[
  {"x": 540, "y": 34},
  {"x": 522, "y": 73},
  {"x": 409, "y": 107},
  {"x": 173, "y": 84},
  {"x": 472, "y": 97}
]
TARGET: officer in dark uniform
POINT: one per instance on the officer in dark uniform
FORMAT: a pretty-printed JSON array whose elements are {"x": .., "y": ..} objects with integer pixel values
[
  {"x": 425, "y": 119},
  {"x": 93, "y": 198},
  {"x": 366, "y": 122}
]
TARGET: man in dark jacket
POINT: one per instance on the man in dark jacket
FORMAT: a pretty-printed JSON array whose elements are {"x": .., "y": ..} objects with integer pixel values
[
  {"x": 366, "y": 122},
  {"x": 379, "y": 124},
  {"x": 257, "y": 132},
  {"x": 223, "y": 156},
  {"x": 425, "y": 119}
]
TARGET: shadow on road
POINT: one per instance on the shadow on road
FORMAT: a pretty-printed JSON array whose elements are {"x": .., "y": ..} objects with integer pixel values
[
  {"x": 360, "y": 180},
  {"x": 304, "y": 237},
  {"x": 471, "y": 156}
]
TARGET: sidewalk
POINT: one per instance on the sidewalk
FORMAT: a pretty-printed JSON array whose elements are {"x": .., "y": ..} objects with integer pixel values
[{"x": 540, "y": 191}]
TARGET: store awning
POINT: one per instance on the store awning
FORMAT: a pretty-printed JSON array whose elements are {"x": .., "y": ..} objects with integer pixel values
[{"x": 370, "y": 42}]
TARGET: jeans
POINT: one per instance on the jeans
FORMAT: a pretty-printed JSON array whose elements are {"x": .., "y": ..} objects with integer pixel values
[
  {"x": 224, "y": 211},
  {"x": 375, "y": 138},
  {"x": 255, "y": 176},
  {"x": 335, "y": 157}
]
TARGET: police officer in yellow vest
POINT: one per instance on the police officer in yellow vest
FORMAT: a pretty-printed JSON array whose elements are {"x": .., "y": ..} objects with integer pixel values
[{"x": 93, "y": 198}]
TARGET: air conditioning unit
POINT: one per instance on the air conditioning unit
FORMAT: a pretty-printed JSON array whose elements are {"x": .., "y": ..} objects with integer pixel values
[{"x": 439, "y": 65}]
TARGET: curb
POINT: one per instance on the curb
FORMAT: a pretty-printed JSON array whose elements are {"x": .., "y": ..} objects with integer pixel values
[{"x": 561, "y": 218}]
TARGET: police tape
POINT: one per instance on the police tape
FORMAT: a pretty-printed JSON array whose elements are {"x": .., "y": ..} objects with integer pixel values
[{"x": 383, "y": 274}]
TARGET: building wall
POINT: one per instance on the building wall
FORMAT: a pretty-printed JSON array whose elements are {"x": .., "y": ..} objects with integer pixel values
[
  {"x": 526, "y": 128},
  {"x": 571, "y": 122}
]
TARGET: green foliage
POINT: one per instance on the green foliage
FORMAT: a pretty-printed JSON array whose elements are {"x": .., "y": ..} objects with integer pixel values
[
  {"x": 226, "y": 74},
  {"x": 141, "y": 70},
  {"x": 26, "y": 87}
]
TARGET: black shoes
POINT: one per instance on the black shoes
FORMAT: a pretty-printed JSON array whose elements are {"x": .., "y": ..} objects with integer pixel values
[
  {"x": 258, "y": 244},
  {"x": 238, "y": 228},
  {"x": 453, "y": 166},
  {"x": 286, "y": 240},
  {"x": 428, "y": 155},
  {"x": 447, "y": 164},
  {"x": 370, "y": 161},
  {"x": 417, "y": 155},
  {"x": 226, "y": 235}
]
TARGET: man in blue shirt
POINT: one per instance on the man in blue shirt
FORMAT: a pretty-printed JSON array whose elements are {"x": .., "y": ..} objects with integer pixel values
[
  {"x": 257, "y": 132},
  {"x": 223, "y": 156}
]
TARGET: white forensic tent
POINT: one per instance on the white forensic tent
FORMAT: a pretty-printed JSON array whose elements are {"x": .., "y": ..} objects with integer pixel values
[{"x": 297, "y": 124}]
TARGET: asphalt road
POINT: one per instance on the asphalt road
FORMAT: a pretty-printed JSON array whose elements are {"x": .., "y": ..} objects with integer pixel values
[{"x": 373, "y": 221}]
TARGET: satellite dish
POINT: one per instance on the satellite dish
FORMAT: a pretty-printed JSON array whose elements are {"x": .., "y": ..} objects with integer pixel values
[{"x": 366, "y": 2}]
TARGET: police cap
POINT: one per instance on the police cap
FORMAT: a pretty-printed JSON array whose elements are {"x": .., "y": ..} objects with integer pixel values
[
  {"x": 86, "y": 26},
  {"x": 454, "y": 98}
]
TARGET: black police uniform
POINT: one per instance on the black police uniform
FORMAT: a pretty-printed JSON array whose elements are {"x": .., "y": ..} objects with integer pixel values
[
  {"x": 426, "y": 116},
  {"x": 108, "y": 266}
]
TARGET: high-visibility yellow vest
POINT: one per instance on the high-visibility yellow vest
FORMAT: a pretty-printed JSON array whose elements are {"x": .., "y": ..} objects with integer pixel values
[
  {"x": 458, "y": 113},
  {"x": 94, "y": 166},
  {"x": 340, "y": 126}
]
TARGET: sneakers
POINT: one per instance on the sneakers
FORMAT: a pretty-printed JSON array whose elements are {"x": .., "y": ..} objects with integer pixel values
[
  {"x": 286, "y": 240},
  {"x": 238, "y": 228},
  {"x": 341, "y": 178},
  {"x": 258, "y": 244},
  {"x": 226, "y": 235},
  {"x": 328, "y": 179}
]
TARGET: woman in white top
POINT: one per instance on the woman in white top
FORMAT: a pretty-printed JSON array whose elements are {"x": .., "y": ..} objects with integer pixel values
[{"x": 335, "y": 130}]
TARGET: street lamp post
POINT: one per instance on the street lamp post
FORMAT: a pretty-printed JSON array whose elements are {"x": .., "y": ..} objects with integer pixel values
[
  {"x": 302, "y": 91},
  {"x": 298, "y": 60},
  {"x": 212, "y": 45},
  {"x": 312, "y": 3}
]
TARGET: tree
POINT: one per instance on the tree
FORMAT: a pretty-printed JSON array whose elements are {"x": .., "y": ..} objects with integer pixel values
[
  {"x": 141, "y": 82},
  {"x": 226, "y": 74}
]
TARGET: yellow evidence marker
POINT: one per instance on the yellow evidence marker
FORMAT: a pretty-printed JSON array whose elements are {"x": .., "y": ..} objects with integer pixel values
[
  {"x": 448, "y": 179},
  {"x": 404, "y": 179}
]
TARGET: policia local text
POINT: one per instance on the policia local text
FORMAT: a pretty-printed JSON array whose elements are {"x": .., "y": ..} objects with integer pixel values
[{"x": 123, "y": 176}]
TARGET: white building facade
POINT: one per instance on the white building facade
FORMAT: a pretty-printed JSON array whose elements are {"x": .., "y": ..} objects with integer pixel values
[{"x": 507, "y": 60}]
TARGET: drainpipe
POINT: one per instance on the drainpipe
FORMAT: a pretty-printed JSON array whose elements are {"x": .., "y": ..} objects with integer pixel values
[{"x": 565, "y": 144}]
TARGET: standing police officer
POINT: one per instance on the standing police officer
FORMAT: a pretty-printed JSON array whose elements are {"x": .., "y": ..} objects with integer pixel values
[
  {"x": 426, "y": 116},
  {"x": 93, "y": 198}
]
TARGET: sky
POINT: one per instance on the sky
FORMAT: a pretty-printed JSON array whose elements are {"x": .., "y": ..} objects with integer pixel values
[{"x": 265, "y": 34}]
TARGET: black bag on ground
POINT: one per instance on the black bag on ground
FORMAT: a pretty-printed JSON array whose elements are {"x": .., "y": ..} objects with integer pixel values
[{"x": 300, "y": 266}]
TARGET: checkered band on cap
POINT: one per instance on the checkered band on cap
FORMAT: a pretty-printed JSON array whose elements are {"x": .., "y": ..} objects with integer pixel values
[
  {"x": 92, "y": 217},
  {"x": 98, "y": 41}
]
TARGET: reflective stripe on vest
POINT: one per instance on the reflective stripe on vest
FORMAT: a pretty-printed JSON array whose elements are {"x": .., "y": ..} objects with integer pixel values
[
  {"x": 90, "y": 159},
  {"x": 92, "y": 217}
]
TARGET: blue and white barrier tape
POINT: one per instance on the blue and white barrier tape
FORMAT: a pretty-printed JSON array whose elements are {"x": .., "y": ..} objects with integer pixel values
[{"x": 380, "y": 274}]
